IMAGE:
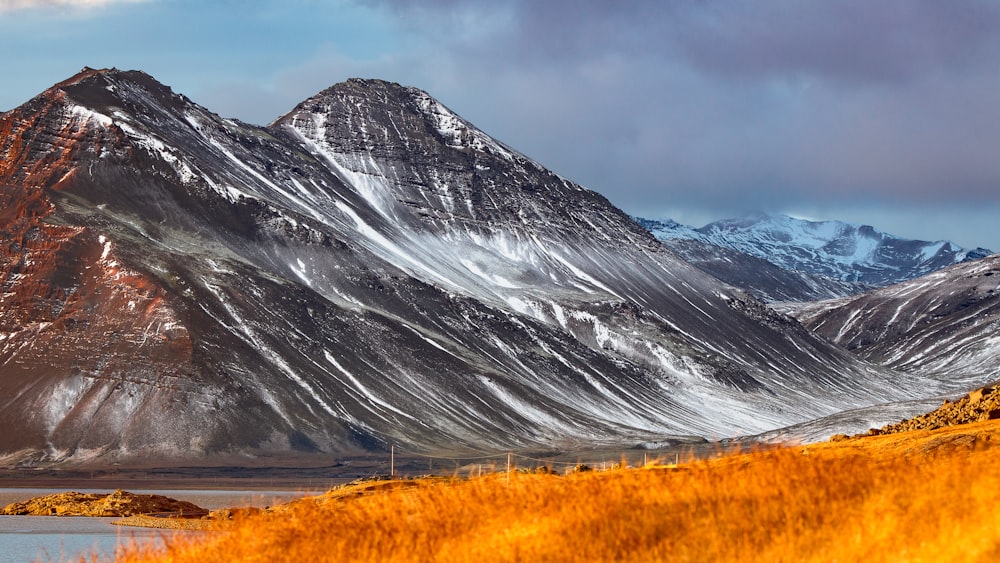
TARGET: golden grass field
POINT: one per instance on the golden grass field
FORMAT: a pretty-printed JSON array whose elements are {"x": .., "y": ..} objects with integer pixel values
[{"x": 916, "y": 496}]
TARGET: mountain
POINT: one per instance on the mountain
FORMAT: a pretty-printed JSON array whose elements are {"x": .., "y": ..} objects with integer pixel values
[
  {"x": 368, "y": 270},
  {"x": 828, "y": 258},
  {"x": 943, "y": 324}
]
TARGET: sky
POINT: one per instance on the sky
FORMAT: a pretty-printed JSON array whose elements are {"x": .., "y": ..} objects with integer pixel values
[{"x": 884, "y": 113}]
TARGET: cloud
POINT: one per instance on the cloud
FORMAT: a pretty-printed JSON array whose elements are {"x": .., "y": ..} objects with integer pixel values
[
  {"x": 852, "y": 40},
  {"x": 18, "y": 5},
  {"x": 732, "y": 104},
  {"x": 848, "y": 40}
]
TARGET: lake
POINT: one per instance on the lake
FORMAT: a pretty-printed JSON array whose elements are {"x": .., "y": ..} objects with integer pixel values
[
  {"x": 52, "y": 538},
  {"x": 25, "y": 539}
]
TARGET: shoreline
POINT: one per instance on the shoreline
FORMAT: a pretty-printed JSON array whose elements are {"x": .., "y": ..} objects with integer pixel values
[
  {"x": 314, "y": 475},
  {"x": 182, "y": 524},
  {"x": 190, "y": 478},
  {"x": 193, "y": 484}
]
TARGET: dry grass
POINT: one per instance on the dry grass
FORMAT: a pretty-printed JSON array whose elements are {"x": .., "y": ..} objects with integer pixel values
[{"x": 904, "y": 499}]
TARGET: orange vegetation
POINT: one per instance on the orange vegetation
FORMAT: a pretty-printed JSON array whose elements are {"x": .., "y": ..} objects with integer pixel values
[{"x": 920, "y": 496}]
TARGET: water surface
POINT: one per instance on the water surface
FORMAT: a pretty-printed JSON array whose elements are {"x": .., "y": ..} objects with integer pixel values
[
  {"x": 25, "y": 539},
  {"x": 53, "y": 538}
]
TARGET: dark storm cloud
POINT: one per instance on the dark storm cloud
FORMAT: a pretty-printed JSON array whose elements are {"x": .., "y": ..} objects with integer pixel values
[{"x": 853, "y": 41}]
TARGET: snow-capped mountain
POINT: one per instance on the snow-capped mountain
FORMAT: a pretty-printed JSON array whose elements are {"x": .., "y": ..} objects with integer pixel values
[
  {"x": 859, "y": 257},
  {"x": 759, "y": 277},
  {"x": 369, "y": 269}
]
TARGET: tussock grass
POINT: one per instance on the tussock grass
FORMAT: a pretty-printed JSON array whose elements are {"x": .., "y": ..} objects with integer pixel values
[{"x": 793, "y": 504}]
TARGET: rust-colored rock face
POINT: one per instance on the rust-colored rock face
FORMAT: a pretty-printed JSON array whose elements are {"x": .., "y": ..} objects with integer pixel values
[
  {"x": 84, "y": 339},
  {"x": 45, "y": 141}
]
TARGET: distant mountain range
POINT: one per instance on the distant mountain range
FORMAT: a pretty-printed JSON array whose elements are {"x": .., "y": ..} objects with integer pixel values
[{"x": 814, "y": 259}]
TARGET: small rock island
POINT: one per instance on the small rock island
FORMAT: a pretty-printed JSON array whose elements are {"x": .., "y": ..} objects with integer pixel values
[{"x": 117, "y": 504}]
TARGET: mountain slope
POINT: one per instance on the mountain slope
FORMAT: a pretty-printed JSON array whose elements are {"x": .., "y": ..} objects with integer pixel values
[
  {"x": 856, "y": 256},
  {"x": 942, "y": 324},
  {"x": 368, "y": 270}
]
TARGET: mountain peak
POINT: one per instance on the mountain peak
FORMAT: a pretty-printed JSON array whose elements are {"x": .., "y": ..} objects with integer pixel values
[
  {"x": 372, "y": 113},
  {"x": 105, "y": 90},
  {"x": 84, "y": 74},
  {"x": 442, "y": 165},
  {"x": 102, "y": 77},
  {"x": 369, "y": 89},
  {"x": 372, "y": 83},
  {"x": 91, "y": 116}
]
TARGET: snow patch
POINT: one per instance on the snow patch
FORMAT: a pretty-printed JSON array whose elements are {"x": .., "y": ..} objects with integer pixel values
[
  {"x": 158, "y": 147},
  {"x": 85, "y": 114},
  {"x": 379, "y": 239},
  {"x": 107, "y": 247}
]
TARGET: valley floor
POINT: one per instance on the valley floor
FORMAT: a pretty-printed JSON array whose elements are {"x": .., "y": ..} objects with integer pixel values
[{"x": 914, "y": 496}]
